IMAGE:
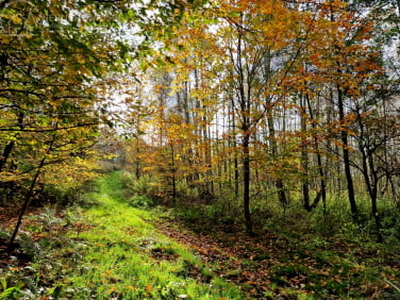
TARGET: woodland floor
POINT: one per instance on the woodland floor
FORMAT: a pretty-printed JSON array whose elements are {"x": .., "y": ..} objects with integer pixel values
[
  {"x": 270, "y": 266},
  {"x": 295, "y": 267}
]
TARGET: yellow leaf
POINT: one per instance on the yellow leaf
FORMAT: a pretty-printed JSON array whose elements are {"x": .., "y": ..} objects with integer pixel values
[
  {"x": 80, "y": 59},
  {"x": 5, "y": 38},
  {"x": 15, "y": 19}
]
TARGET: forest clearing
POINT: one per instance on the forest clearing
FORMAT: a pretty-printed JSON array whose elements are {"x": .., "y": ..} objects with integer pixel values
[{"x": 203, "y": 149}]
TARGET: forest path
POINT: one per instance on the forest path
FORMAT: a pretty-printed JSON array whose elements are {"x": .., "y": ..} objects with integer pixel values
[
  {"x": 203, "y": 259},
  {"x": 127, "y": 257},
  {"x": 108, "y": 250}
]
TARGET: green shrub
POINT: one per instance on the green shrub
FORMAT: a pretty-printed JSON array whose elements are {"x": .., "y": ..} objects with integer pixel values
[
  {"x": 141, "y": 201},
  {"x": 185, "y": 191},
  {"x": 391, "y": 225},
  {"x": 147, "y": 186}
]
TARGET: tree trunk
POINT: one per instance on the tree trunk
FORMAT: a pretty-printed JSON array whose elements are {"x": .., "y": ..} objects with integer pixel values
[
  {"x": 322, "y": 193},
  {"x": 246, "y": 181},
  {"x": 346, "y": 159},
  {"x": 28, "y": 198},
  {"x": 6, "y": 153},
  {"x": 10, "y": 145},
  {"x": 370, "y": 173},
  {"x": 173, "y": 175},
  {"x": 235, "y": 161},
  {"x": 304, "y": 159},
  {"x": 274, "y": 150}
]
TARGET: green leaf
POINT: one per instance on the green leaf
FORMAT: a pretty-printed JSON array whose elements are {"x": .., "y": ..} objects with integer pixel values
[{"x": 12, "y": 293}]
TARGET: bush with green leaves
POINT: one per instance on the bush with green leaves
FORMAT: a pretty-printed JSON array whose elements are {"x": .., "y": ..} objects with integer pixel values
[{"x": 141, "y": 201}]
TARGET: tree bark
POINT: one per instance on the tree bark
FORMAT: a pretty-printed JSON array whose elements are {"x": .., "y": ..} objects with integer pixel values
[
  {"x": 279, "y": 184},
  {"x": 304, "y": 159},
  {"x": 322, "y": 193},
  {"x": 346, "y": 158},
  {"x": 246, "y": 182},
  {"x": 28, "y": 198}
]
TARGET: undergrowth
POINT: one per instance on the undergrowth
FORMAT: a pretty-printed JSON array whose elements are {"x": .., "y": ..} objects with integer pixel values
[{"x": 308, "y": 255}]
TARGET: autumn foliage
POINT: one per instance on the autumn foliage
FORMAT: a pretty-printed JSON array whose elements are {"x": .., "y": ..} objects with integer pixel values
[{"x": 273, "y": 100}]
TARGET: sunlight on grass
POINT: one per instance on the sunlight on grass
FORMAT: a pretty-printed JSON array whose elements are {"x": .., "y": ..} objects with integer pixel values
[{"x": 126, "y": 258}]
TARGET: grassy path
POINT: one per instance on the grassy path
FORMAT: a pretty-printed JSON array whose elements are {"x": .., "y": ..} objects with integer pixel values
[{"x": 124, "y": 257}]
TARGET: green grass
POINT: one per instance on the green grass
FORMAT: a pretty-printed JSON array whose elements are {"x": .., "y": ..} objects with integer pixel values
[
  {"x": 108, "y": 250},
  {"x": 127, "y": 258}
]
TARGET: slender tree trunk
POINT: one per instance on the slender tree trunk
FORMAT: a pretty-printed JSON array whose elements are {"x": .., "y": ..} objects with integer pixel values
[
  {"x": 372, "y": 187},
  {"x": 137, "y": 161},
  {"x": 370, "y": 174},
  {"x": 235, "y": 162},
  {"x": 322, "y": 193},
  {"x": 246, "y": 182},
  {"x": 244, "y": 96},
  {"x": 274, "y": 149},
  {"x": 208, "y": 188},
  {"x": 374, "y": 200},
  {"x": 137, "y": 146},
  {"x": 6, "y": 153},
  {"x": 173, "y": 175},
  {"x": 233, "y": 144},
  {"x": 28, "y": 198},
  {"x": 25, "y": 205},
  {"x": 10, "y": 145},
  {"x": 304, "y": 159},
  {"x": 346, "y": 159}
]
